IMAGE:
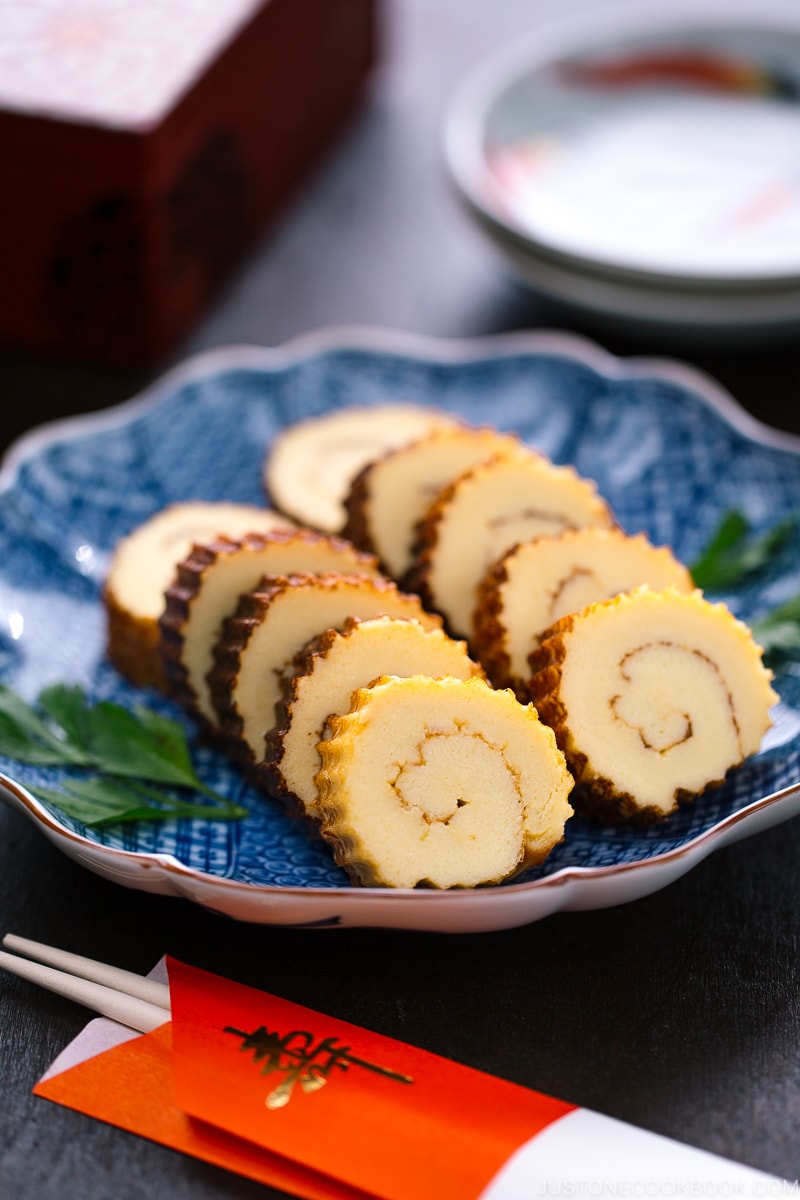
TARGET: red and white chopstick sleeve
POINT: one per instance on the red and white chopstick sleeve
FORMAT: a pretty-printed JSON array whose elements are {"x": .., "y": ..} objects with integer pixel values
[{"x": 328, "y": 1110}]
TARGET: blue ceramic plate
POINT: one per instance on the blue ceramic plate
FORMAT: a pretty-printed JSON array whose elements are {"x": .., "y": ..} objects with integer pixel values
[{"x": 668, "y": 448}]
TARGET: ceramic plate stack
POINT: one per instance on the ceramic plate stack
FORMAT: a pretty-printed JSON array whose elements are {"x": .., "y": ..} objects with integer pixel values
[{"x": 644, "y": 163}]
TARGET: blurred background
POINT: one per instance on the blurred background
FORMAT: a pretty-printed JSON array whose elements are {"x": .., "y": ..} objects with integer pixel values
[{"x": 353, "y": 220}]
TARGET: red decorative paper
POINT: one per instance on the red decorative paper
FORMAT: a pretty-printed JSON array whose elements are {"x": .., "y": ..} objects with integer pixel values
[{"x": 383, "y": 1116}]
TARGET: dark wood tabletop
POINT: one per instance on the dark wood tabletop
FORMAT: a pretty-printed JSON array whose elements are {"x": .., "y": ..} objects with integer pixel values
[{"x": 679, "y": 1012}]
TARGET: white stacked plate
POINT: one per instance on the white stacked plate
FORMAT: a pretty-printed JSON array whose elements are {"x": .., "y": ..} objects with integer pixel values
[{"x": 643, "y": 162}]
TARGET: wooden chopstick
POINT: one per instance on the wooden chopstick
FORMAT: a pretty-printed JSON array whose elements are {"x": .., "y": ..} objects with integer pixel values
[
  {"x": 87, "y": 968},
  {"x": 141, "y": 1004}
]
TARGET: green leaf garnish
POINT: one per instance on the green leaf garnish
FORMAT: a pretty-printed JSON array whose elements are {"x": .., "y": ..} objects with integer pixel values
[
  {"x": 731, "y": 558},
  {"x": 127, "y": 753},
  {"x": 65, "y": 705},
  {"x": 98, "y": 802},
  {"x": 778, "y": 632},
  {"x": 25, "y": 736},
  {"x": 126, "y": 747}
]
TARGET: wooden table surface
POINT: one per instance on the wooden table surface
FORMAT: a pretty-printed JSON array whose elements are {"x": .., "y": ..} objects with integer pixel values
[{"x": 679, "y": 1012}]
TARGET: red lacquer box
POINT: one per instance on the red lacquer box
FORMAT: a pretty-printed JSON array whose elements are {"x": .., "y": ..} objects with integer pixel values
[{"x": 144, "y": 145}]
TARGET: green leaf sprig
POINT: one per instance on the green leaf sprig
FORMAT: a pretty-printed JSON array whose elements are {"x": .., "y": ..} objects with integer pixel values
[
  {"x": 732, "y": 557},
  {"x": 123, "y": 756},
  {"x": 778, "y": 632}
]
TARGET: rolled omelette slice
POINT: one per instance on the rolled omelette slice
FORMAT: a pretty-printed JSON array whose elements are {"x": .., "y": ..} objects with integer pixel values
[
  {"x": 145, "y": 563},
  {"x": 327, "y": 672},
  {"x": 482, "y": 514},
  {"x": 309, "y": 466},
  {"x": 271, "y": 624},
  {"x": 541, "y": 580},
  {"x": 653, "y": 697},
  {"x": 392, "y": 493},
  {"x": 207, "y": 590},
  {"x": 441, "y": 782}
]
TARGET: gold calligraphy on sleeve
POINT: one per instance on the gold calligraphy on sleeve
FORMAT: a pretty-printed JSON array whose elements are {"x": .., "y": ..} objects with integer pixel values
[{"x": 298, "y": 1059}]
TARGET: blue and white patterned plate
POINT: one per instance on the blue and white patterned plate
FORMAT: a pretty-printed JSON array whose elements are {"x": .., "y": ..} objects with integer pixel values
[{"x": 668, "y": 448}]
